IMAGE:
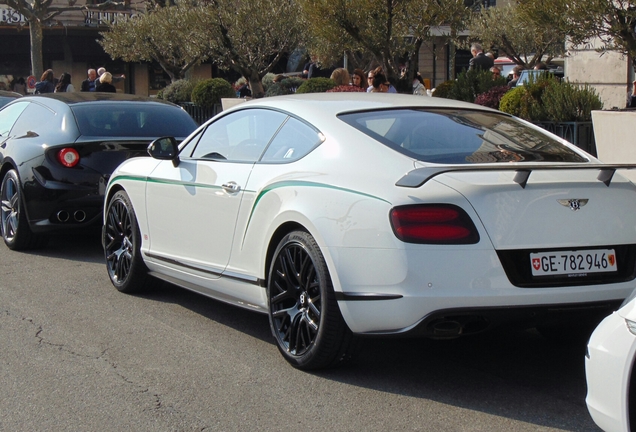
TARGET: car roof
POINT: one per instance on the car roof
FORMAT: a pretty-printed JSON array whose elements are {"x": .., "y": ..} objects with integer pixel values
[
  {"x": 71, "y": 98},
  {"x": 6, "y": 93},
  {"x": 332, "y": 104}
]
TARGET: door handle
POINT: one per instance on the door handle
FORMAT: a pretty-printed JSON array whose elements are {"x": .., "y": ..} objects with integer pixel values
[{"x": 231, "y": 187}]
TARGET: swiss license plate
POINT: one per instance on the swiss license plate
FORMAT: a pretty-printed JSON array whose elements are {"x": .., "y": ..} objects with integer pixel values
[{"x": 573, "y": 262}]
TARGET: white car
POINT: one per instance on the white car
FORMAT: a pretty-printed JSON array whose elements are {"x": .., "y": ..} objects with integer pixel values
[
  {"x": 609, "y": 368},
  {"x": 344, "y": 214}
]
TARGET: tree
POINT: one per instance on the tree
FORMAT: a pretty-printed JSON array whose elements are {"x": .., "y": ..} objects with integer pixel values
[
  {"x": 392, "y": 31},
  {"x": 247, "y": 36},
  {"x": 613, "y": 22},
  {"x": 523, "y": 32},
  {"x": 38, "y": 13},
  {"x": 251, "y": 37},
  {"x": 173, "y": 36}
]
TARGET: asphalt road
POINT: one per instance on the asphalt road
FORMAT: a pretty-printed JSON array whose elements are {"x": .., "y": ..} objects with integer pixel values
[{"x": 77, "y": 355}]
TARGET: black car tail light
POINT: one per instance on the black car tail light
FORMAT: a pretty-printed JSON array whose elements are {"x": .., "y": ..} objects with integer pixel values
[
  {"x": 433, "y": 224},
  {"x": 69, "y": 157}
]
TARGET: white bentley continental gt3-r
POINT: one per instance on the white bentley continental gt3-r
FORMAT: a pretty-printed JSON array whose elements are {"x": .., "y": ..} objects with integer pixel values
[{"x": 347, "y": 214}]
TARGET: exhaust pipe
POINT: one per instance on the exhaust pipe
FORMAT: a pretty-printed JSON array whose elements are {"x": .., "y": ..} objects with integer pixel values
[
  {"x": 79, "y": 216},
  {"x": 62, "y": 216},
  {"x": 446, "y": 329}
]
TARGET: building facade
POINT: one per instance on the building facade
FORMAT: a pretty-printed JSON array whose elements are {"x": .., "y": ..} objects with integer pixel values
[{"x": 70, "y": 45}]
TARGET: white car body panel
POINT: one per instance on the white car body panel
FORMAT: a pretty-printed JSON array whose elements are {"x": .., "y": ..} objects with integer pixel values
[
  {"x": 609, "y": 367},
  {"x": 342, "y": 193}
]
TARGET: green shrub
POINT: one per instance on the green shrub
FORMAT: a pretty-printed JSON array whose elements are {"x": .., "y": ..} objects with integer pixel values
[
  {"x": 468, "y": 85},
  {"x": 565, "y": 102},
  {"x": 548, "y": 99},
  {"x": 268, "y": 80},
  {"x": 511, "y": 101},
  {"x": 178, "y": 91},
  {"x": 316, "y": 85},
  {"x": 444, "y": 89},
  {"x": 285, "y": 87},
  {"x": 209, "y": 92}
]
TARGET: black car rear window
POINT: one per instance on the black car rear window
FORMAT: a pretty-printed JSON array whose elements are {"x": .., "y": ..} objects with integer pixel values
[
  {"x": 132, "y": 120},
  {"x": 454, "y": 136}
]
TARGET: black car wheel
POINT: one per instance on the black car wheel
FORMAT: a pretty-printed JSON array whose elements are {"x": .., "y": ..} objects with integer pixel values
[
  {"x": 16, "y": 233},
  {"x": 303, "y": 312},
  {"x": 122, "y": 243}
]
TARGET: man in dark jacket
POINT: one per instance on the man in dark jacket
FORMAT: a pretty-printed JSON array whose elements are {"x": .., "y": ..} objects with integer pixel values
[
  {"x": 90, "y": 83},
  {"x": 480, "y": 61}
]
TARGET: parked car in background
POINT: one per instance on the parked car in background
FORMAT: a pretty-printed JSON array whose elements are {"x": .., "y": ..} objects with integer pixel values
[
  {"x": 7, "y": 96},
  {"x": 528, "y": 74},
  {"x": 609, "y": 368},
  {"x": 506, "y": 65},
  {"x": 57, "y": 152},
  {"x": 343, "y": 214}
]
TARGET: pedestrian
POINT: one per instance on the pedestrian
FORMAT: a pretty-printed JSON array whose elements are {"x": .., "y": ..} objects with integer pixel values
[
  {"x": 496, "y": 72},
  {"x": 88, "y": 85},
  {"x": 341, "y": 77},
  {"x": 64, "y": 84},
  {"x": 419, "y": 88},
  {"x": 380, "y": 84},
  {"x": 46, "y": 83},
  {"x": 480, "y": 61},
  {"x": 359, "y": 79},
  {"x": 105, "y": 84},
  {"x": 19, "y": 86},
  {"x": 115, "y": 80},
  {"x": 516, "y": 73}
]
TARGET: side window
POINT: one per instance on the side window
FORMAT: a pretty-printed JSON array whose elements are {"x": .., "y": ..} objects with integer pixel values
[
  {"x": 241, "y": 136},
  {"x": 8, "y": 117},
  {"x": 46, "y": 121},
  {"x": 294, "y": 140}
]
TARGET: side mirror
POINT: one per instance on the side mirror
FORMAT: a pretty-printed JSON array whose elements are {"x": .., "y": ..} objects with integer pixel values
[{"x": 165, "y": 148}]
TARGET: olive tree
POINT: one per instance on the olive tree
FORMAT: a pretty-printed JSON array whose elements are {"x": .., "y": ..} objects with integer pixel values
[
  {"x": 251, "y": 37},
  {"x": 40, "y": 12},
  {"x": 389, "y": 30},
  {"x": 174, "y": 37},
  {"x": 613, "y": 22},
  {"x": 523, "y": 32}
]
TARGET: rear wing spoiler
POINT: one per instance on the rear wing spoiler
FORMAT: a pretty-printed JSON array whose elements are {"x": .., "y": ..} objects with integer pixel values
[{"x": 420, "y": 176}]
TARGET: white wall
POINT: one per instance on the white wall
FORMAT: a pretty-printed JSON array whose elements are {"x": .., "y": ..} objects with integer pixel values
[{"x": 609, "y": 73}]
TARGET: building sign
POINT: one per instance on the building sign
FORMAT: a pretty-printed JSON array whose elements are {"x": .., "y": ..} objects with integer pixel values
[
  {"x": 91, "y": 18},
  {"x": 102, "y": 18},
  {"x": 9, "y": 16}
]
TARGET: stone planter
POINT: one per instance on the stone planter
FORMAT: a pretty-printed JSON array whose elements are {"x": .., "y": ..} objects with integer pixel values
[{"x": 615, "y": 134}]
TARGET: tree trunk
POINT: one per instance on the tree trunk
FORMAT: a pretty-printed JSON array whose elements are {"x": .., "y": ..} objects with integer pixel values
[
  {"x": 256, "y": 85},
  {"x": 35, "y": 31}
]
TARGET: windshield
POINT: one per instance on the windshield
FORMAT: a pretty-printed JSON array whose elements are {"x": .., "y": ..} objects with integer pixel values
[
  {"x": 455, "y": 136},
  {"x": 132, "y": 120}
]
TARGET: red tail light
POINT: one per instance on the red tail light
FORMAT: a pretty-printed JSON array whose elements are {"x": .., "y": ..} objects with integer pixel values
[
  {"x": 433, "y": 224},
  {"x": 69, "y": 157}
]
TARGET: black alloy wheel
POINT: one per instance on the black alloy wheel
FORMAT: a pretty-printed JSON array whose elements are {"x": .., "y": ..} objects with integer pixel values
[
  {"x": 122, "y": 242},
  {"x": 303, "y": 313},
  {"x": 14, "y": 227}
]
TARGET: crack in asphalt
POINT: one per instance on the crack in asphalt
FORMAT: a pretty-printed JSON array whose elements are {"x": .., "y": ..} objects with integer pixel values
[{"x": 157, "y": 404}]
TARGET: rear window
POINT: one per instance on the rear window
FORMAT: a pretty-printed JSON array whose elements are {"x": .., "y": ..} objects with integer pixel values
[
  {"x": 452, "y": 136},
  {"x": 132, "y": 120}
]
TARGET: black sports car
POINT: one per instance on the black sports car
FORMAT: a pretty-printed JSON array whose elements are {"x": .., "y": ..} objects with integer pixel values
[
  {"x": 7, "y": 96},
  {"x": 58, "y": 150}
]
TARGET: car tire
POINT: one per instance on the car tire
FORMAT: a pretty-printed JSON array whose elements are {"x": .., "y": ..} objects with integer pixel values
[
  {"x": 303, "y": 312},
  {"x": 121, "y": 239},
  {"x": 14, "y": 226}
]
